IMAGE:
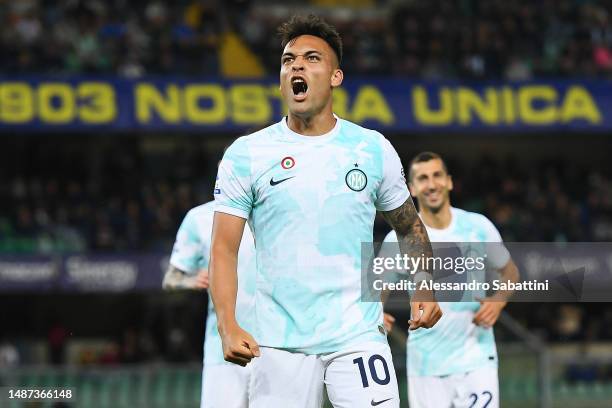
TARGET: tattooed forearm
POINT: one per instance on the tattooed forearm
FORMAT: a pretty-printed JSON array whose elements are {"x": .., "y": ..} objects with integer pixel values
[
  {"x": 177, "y": 279},
  {"x": 411, "y": 233}
]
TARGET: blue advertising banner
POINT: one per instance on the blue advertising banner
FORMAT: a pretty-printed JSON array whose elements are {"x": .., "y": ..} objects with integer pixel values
[
  {"x": 82, "y": 273},
  {"x": 210, "y": 104}
]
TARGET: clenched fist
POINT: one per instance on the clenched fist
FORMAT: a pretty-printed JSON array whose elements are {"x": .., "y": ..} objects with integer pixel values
[{"x": 239, "y": 347}]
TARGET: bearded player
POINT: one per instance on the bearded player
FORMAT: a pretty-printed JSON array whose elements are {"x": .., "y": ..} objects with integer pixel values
[{"x": 455, "y": 363}]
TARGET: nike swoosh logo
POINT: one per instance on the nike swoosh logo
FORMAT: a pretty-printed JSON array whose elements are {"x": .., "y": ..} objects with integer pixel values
[
  {"x": 375, "y": 403},
  {"x": 273, "y": 183}
]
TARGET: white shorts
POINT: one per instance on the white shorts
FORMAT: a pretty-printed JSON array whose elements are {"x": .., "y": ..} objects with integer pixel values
[
  {"x": 225, "y": 386},
  {"x": 475, "y": 389},
  {"x": 359, "y": 376}
]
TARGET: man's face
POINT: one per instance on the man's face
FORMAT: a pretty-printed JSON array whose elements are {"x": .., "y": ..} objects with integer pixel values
[
  {"x": 430, "y": 184},
  {"x": 309, "y": 71}
]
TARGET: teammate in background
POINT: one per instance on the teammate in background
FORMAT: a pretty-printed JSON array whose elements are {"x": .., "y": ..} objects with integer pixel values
[
  {"x": 455, "y": 363},
  {"x": 310, "y": 186},
  {"x": 224, "y": 385}
]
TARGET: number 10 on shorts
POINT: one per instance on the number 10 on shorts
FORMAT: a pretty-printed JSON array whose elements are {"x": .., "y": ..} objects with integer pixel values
[{"x": 372, "y": 368}]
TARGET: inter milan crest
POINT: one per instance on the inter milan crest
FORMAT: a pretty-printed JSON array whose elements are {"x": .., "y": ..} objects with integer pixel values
[{"x": 356, "y": 179}]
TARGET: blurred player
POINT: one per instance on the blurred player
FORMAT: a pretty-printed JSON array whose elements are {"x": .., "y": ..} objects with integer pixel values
[
  {"x": 310, "y": 186},
  {"x": 224, "y": 385},
  {"x": 455, "y": 363}
]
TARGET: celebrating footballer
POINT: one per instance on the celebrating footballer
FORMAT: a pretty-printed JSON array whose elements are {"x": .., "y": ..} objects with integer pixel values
[{"x": 309, "y": 187}]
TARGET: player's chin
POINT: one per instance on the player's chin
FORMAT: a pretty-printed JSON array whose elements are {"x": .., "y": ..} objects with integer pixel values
[
  {"x": 435, "y": 204},
  {"x": 299, "y": 108}
]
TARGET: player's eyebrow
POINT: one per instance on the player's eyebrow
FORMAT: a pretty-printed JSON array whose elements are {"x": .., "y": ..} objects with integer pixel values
[{"x": 304, "y": 54}]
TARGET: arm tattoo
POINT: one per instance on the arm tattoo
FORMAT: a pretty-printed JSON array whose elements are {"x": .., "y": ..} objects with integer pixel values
[
  {"x": 177, "y": 279},
  {"x": 411, "y": 232}
]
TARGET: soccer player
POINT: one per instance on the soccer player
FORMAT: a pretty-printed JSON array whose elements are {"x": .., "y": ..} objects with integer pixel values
[
  {"x": 455, "y": 363},
  {"x": 310, "y": 186},
  {"x": 224, "y": 385}
]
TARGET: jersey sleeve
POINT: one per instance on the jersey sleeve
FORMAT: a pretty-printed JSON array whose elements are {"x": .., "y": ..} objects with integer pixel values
[
  {"x": 233, "y": 192},
  {"x": 390, "y": 237},
  {"x": 497, "y": 253},
  {"x": 189, "y": 253},
  {"x": 393, "y": 191}
]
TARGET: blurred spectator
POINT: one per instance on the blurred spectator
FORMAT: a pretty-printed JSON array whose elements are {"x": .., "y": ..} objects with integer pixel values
[
  {"x": 57, "y": 337},
  {"x": 569, "y": 323},
  {"x": 518, "y": 69},
  {"x": 178, "y": 347},
  {"x": 130, "y": 350},
  {"x": 137, "y": 346},
  {"x": 111, "y": 355},
  {"x": 9, "y": 355}
]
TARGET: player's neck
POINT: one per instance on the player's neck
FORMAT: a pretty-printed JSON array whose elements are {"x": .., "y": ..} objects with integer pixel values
[
  {"x": 315, "y": 125},
  {"x": 440, "y": 219}
]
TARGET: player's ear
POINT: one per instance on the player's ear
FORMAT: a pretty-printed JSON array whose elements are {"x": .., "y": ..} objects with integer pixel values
[
  {"x": 411, "y": 189},
  {"x": 337, "y": 77},
  {"x": 450, "y": 182}
]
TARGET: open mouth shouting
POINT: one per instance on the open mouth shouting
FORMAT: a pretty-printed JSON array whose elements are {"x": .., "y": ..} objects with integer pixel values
[{"x": 300, "y": 87}]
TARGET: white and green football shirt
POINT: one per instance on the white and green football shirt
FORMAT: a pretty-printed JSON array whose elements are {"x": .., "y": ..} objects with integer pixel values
[
  {"x": 191, "y": 253},
  {"x": 311, "y": 202},
  {"x": 455, "y": 344}
]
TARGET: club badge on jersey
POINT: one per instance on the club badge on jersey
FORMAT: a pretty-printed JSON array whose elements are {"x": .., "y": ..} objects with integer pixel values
[{"x": 356, "y": 179}]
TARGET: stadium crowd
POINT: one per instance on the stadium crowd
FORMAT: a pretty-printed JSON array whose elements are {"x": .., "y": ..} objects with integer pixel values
[
  {"x": 107, "y": 198},
  {"x": 123, "y": 206},
  {"x": 546, "y": 201},
  {"x": 433, "y": 39}
]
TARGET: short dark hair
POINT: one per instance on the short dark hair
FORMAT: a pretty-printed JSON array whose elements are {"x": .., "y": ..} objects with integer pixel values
[
  {"x": 311, "y": 25},
  {"x": 425, "y": 157}
]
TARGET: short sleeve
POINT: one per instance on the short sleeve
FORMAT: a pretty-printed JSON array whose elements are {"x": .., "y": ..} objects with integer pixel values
[
  {"x": 233, "y": 193},
  {"x": 390, "y": 237},
  {"x": 497, "y": 253},
  {"x": 393, "y": 191},
  {"x": 190, "y": 252}
]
